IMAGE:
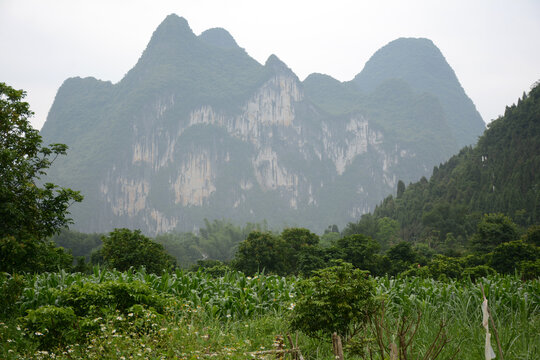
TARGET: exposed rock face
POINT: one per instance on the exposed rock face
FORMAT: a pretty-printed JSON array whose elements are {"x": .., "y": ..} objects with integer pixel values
[{"x": 163, "y": 149}]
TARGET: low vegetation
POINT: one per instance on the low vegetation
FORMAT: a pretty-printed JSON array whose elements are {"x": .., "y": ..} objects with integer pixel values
[{"x": 190, "y": 315}]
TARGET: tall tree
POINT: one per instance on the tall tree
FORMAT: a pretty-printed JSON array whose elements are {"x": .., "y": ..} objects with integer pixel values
[
  {"x": 493, "y": 230},
  {"x": 261, "y": 251},
  {"x": 29, "y": 212},
  {"x": 124, "y": 248}
]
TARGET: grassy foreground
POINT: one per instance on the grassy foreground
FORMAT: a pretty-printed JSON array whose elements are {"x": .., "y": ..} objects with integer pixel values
[{"x": 135, "y": 315}]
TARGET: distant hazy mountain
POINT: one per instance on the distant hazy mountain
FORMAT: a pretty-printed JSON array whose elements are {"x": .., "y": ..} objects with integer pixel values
[
  {"x": 198, "y": 129},
  {"x": 420, "y": 64}
]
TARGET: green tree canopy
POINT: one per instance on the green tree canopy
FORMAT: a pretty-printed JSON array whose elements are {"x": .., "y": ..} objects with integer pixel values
[
  {"x": 124, "y": 248},
  {"x": 493, "y": 230},
  {"x": 359, "y": 250},
  {"x": 29, "y": 212},
  {"x": 296, "y": 240},
  {"x": 261, "y": 251},
  {"x": 335, "y": 299},
  {"x": 507, "y": 256}
]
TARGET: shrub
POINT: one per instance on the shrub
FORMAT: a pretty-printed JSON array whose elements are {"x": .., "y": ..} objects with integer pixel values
[
  {"x": 530, "y": 270},
  {"x": 507, "y": 256},
  {"x": 124, "y": 248},
  {"x": 336, "y": 299},
  {"x": 477, "y": 272},
  {"x": 106, "y": 297},
  {"x": 11, "y": 287},
  {"x": 51, "y": 326},
  {"x": 214, "y": 268},
  {"x": 416, "y": 270},
  {"x": 442, "y": 267}
]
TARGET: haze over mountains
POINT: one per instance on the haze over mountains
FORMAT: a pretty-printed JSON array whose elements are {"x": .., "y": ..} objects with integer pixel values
[{"x": 198, "y": 129}]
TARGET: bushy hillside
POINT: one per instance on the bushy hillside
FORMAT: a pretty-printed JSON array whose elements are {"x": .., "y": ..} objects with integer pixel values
[{"x": 498, "y": 175}]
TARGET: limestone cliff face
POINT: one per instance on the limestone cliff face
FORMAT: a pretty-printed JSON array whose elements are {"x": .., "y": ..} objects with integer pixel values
[
  {"x": 198, "y": 129},
  {"x": 172, "y": 162}
]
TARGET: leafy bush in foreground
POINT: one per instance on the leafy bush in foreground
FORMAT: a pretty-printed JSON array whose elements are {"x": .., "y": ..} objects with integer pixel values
[{"x": 336, "y": 299}]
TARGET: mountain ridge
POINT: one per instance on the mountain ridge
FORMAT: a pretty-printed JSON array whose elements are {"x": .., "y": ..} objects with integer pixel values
[
  {"x": 198, "y": 129},
  {"x": 415, "y": 60}
]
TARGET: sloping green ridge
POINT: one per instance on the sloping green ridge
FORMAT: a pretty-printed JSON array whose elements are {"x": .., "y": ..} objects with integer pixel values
[{"x": 499, "y": 174}]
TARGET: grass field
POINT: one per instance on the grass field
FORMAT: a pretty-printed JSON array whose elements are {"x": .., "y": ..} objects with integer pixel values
[{"x": 190, "y": 315}]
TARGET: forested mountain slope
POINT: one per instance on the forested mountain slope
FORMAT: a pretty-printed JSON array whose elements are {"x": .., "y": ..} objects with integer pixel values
[{"x": 499, "y": 174}]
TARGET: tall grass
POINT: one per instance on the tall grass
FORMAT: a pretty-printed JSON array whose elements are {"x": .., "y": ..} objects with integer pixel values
[
  {"x": 231, "y": 316},
  {"x": 514, "y": 305},
  {"x": 233, "y": 295}
]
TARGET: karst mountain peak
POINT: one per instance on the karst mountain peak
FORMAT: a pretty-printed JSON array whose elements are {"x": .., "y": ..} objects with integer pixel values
[{"x": 199, "y": 129}]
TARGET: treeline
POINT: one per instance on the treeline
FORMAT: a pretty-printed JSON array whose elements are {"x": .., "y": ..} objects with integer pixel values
[
  {"x": 498, "y": 245},
  {"x": 216, "y": 240}
]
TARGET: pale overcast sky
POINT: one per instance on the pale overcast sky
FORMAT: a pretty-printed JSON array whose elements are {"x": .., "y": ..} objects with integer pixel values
[{"x": 492, "y": 45}]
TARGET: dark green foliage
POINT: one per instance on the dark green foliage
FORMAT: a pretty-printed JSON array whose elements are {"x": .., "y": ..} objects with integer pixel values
[
  {"x": 261, "y": 252},
  {"x": 388, "y": 232},
  {"x": 478, "y": 272},
  {"x": 400, "y": 189},
  {"x": 206, "y": 264},
  {"x": 440, "y": 267},
  {"x": 123, "y": 249},
  {"x": 29, "y": 211},
  {"x": 29, "y": 255},
  {"x": 215, "y": 268},
  {"x": 359, "y": 250},
  {"x": 51, "y": 326},
  {"x": 506, "y": 257},
  {"x": 530, "y": 270},
  {"x": 296, "y": 241},
  {"x": 532, "y": 236},
  {"x": 384, "y": 230},
  {"x": 367, "y": 225},
  {"x": 328, "y": 239},
  {"x": 298, "y": 238},
  {"x": 11, "y": 289},
  {"x": 493, "y": 230},
  {"x": 96, "y": 257},
  {"x": 313, "y": 258},
  {"x": 287, "y": 253},
  {"x": 443, "y": 268},
  {"x": 401, "y": 256},
  {"x": 97, "y": 299},
  {"x": 336, "y": 299}
]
